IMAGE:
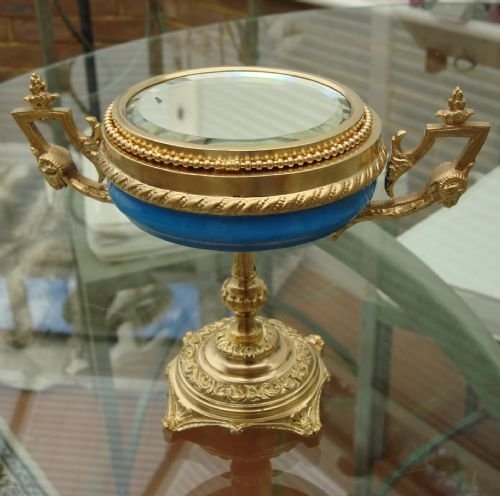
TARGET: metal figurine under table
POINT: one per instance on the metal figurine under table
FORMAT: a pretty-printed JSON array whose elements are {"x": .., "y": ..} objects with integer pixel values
[{"x": 244, "y": 159}]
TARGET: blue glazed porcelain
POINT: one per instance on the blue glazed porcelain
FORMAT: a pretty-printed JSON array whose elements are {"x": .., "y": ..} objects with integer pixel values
[
  {"x": 241, "y": 233},
  {"x": 184, "y": 177}
]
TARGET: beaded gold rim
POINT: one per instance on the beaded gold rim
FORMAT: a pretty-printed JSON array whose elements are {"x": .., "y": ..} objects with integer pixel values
[
  {"x": 250, "y": 183},
  {"x": 164, "y": 155},
  {"x": 127, "y": 137}
]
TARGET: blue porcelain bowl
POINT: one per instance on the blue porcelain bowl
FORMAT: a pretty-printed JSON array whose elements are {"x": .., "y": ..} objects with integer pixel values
[
  {"x": 283, "y": 159},
  {"x": 241, "y": 233}
]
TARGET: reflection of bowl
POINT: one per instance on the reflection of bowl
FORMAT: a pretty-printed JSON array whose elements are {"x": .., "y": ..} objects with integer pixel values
[
  {"x": 184, "y": 176},
  {"x": 250, "y": 445}
]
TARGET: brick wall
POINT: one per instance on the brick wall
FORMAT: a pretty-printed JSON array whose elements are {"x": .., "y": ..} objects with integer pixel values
[{"x": 113, "y": 21}]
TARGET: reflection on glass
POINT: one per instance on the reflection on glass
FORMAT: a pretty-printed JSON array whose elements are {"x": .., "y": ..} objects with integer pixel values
[
  {"x": 251, "y": 472},
  {"x": 238, "y": 107}
]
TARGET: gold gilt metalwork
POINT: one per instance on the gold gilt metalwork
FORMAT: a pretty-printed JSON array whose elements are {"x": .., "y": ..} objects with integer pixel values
[
  {"x": 130, "y": 139},
  {"x": 55, "y": 162},
  {"x": 456, "y": 113},
  {"x": 448, "y": 181},
  {"x": 255, "y": 183},
  {"x": 40, "y": 98},
  {"x": 247, "y": 371},
  {"x": 165, "y": 155},
  {"x": 256, "y": 205}
]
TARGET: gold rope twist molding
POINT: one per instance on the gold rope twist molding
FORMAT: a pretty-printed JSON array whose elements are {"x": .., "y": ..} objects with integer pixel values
[
  {"x": 137, "y": 147},
  {"x": 223, "y": 205}
]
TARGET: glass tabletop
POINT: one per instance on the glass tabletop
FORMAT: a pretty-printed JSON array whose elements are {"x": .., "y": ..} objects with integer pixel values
[{"x": 91, "y": 309}]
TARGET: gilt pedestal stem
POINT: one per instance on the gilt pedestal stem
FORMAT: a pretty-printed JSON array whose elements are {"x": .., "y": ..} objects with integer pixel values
[{"x": 246, "y": 371}]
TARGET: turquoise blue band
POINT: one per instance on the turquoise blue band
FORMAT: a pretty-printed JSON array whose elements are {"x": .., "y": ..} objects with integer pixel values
[{"x": 241, "y": 233}]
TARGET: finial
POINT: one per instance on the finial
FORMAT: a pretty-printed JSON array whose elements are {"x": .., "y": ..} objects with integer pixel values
[
  {"x": 456, "y": 113},
  {"x": 40, "y": 98}
]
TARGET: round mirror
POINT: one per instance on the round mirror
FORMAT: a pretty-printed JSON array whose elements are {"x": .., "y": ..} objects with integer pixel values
[{"x": 235, "y": 107}]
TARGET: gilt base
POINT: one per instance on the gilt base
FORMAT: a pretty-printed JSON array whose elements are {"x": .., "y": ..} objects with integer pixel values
[{"x": 274, "y": 383}]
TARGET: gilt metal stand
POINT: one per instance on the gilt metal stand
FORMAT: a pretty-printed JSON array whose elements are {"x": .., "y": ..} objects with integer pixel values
[
  {"x": 228, "y": 193},
  {"x": 246, "y": 370}
]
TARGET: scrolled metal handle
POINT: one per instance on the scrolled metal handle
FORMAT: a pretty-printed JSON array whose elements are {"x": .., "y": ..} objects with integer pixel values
[
  {"x": 55, "y": 162},
  {"x": 448, "y": 181}
]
